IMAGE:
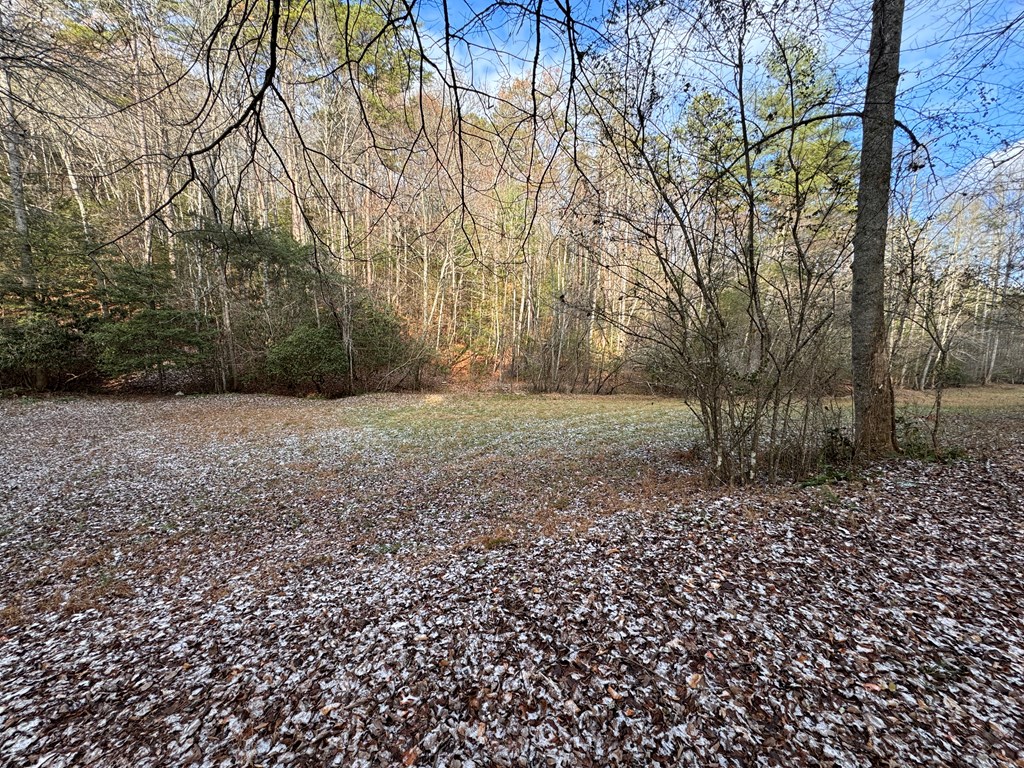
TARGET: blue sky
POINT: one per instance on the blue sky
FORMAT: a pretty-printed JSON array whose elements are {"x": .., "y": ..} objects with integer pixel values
[
  {"x": 963, "y": 78},
  {"x": 962, "y": 89}
]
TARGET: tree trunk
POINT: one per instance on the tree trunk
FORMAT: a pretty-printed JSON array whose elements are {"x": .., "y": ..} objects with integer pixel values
[
  {"x": 874, "y": 414},
  {"x": 13, "y": 139}
]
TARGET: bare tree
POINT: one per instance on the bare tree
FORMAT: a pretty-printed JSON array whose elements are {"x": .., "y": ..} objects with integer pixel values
[{"x": 874, "y": 410}]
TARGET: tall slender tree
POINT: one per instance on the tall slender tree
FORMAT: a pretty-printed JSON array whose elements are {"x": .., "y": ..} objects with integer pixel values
[
  {"x": 13, "y": 145},
  {"x": 874, "y": 411}
]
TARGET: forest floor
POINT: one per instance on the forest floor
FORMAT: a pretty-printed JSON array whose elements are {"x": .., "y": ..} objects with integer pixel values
[{"x": 471, "y": 580}]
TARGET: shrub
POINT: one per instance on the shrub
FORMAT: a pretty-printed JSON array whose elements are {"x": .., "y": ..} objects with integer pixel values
[
  {"x": 310, "y": 356},
  {"x": 151, "y": 339},
  {"x": 36, "y": 349},
  {"x": 383, "y": 354}
]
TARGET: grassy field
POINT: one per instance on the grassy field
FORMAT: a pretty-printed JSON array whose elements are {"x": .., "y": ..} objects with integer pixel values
[{"x": 469, "y": 580}]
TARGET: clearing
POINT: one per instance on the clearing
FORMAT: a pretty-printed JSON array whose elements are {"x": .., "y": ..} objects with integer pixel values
[{"x": 472, "y": 580}]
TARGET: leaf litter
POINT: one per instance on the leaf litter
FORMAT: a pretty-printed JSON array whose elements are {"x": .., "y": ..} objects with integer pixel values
[{"x": 491, "y": 581}]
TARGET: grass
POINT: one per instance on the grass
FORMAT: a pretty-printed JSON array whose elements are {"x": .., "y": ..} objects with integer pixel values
[
  {"x": 482, "y": 422},
  {"x": 468, "y": 420},
  {"x": 480, "y": 470},
  {"x": 994, "y": 398},
  {"x": 474, "y": 432}
]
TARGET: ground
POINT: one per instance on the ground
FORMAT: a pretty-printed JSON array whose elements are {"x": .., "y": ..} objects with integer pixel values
[{"x": 470, "y": 580}]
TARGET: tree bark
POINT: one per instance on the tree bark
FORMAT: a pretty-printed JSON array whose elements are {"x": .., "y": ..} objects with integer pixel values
[
  {"x": 13, "y": 140},
  {"x": 874, "y": 413}
]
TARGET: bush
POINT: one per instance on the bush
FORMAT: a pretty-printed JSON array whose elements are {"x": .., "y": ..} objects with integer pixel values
[
  {"x": 310, "y": 356},
  {"x": 953, "y": 376},
  {"x": 36, "y": 349},
  {"x": 151, "y": 339},
  {"x": 383, "y": 354}
]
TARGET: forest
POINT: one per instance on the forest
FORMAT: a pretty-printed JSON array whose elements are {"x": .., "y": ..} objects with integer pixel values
[
  {"x": 511, "y": 383},
  {"x": 320, "y": 197}
]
